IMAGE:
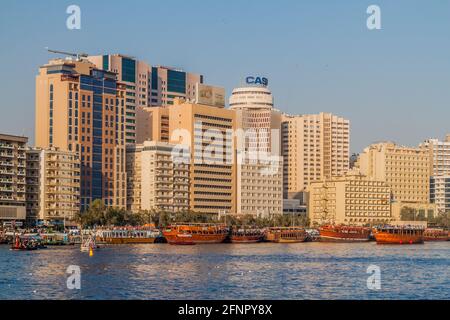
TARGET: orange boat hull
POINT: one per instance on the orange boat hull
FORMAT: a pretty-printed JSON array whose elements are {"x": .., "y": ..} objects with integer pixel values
[
  {"x": 182, "y": 239},
  {"x": 334, "y": 236},
  {"x": 246, "y": 239},
  {"x": 438, "y": 238},
  {"x": 389, "y": 238}
]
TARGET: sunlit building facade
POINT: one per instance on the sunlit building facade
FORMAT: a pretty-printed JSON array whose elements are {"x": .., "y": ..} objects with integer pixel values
[
  {"x": 82, "y": 108},
  {"x": 314, "y": 147},
  {"x": 12, "y": 177}
]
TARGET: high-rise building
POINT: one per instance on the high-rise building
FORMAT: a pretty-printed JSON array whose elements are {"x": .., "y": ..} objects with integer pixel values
[
  {"x": 168, "y": 84},
  {"x": 152, "y": 123},
  {"x": 351, "y": 199},
  {"x": 33, "y": 187},
  {"x": 406, "y": 170},
  {"x": 440, "y": 192},
  {"x": 314, "y": 147},
  {"x": 208, "y": 133},
  {"x": 81, "y": 108},
  {"x": 259, "y": 166},
  {"x": 439, "y": 152},
  {"x": 136, "y": 75},
  {"x": 53, "y": 194},
  {"x": 157, "y": 180},
  {"x": 12, "y": 177}
]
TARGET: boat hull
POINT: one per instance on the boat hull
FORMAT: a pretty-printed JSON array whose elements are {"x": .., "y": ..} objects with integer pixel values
[
  {"x": 340, "y": 239},
  {"x": 286, "y": 236},
  {"x": 246, "y": 239},
  {"x": 180, "y": 239},
  {"x": 389, "y": 238},
  {"x": 127, "y": 240},
  {"x": 344, "y": 234},
  {"x": 434, "y": 239}
]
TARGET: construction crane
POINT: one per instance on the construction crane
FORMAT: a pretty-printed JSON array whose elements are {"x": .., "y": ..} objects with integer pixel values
[{"x": 79, "y": 56}]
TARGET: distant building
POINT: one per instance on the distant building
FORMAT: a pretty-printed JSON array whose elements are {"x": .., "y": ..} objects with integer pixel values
[
  {"x": 439, "y": 153},
  {"x": 406, "y": 170},
  {"x": 152, "y": 124},
  {"x": 314, "y": 147},
  {"x": 168, "y": 84},
  {"x": 12, "y": 177},
  {"x": 208, "y": 133},
  {"x": 440, "y": 192},
  {"x": 293, "y": 206},
  {"x": 259, "y": 177},
  {"x": 53, "y": 185},
  {"x": 157, "y": 181},
  {"x": 81, "y": 108},
  {"x": 351, "y": 199},
  {"x": 136, "y": 75}
]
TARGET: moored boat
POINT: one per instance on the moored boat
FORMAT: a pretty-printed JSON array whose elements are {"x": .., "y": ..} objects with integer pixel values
[
  {"x": 246, "y": 235},
  {"x": 24, "y": 243},
  {"x": 399, "y": 234},
  {"x": 343, "y": 233},
  {"x": 286, "y": 234},
  {"x": 195, "y": 233},
  {"x": 435, "y": 235},
  {"x": 128, "y": 235},
  {"x": 55, "y": 239}
]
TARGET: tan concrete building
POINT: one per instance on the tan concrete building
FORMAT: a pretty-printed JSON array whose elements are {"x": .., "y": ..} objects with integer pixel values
[
  {"x": 12, "y": 177},
  {"x": 314, "y": 147},
  {"x": 152, "y": 124},
  {"x": 157, "y": 180},
  {"x": 208, "y": 132},
  {"x": 406, "y": 170},
  {"x": 351, "y": 199},
  {"x": 81, "y": 108},
  {"x": 59, "y": 185},
  {"x": 259, "y": 166}
]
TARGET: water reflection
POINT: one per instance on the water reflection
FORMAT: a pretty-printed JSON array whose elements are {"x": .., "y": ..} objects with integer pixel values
[{"x": 229, "y": 271}]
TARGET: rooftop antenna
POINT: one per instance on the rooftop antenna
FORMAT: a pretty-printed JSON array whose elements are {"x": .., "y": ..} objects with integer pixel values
[{"x": 79, "y": 56}]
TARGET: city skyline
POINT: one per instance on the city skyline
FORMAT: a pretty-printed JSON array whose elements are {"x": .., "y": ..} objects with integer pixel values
[{"x": 390, "y": 83}]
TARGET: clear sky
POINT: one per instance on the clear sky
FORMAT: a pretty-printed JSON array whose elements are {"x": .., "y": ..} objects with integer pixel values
[{"x": 393, "y": 83}]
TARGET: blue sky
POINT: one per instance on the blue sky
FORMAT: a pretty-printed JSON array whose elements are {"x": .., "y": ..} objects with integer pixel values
[{"x": 393, "y": 84}]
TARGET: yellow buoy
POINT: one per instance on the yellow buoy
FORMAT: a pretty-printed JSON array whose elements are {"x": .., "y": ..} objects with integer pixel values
[{"x": 91, "y": 252}]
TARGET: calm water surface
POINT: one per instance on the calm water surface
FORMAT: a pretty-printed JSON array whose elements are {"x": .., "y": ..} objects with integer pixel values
[{"x": 229, "y": 271}]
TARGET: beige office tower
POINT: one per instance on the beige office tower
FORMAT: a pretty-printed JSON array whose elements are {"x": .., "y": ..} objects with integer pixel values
[
  {"x": 351, "y": 199},
  {"x": 208, "y": 133},
  {"x": 53, "y": 184},
  {"x": 82, "y": 108},
  {"x": 12, "y": 177},
  {"x": 259, "y": 165},
  {"x": 406, "y": 170},
  {"x": 136, "y": 75},
  {"x": 314, "y": 147},
  {"x": 157, "y": 179},
  {"x": 152, "y": 123}
]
